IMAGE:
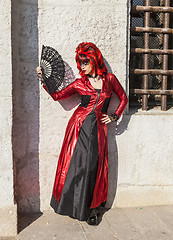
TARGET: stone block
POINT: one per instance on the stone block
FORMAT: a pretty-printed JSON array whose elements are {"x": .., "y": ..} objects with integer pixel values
[
  {"x": 8, "y": 221},
  {"x": 78, "y": 2},
  {"x": 135, "y": 196}
]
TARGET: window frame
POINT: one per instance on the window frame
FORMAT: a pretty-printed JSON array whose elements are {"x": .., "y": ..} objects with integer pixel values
[{"x": 147, "y": 9}]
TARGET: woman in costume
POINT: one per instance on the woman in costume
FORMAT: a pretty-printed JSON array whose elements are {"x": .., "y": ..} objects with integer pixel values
[{"x": 81, "y": 181}]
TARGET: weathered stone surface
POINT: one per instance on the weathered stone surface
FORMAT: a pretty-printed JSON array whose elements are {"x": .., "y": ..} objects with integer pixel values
[
  {"x": 144, "y": 153},
  {"x": 8, "y": 221},
  {"x": 117, "y": 224},
  {"x": 103, "y": 25},
  {"x": 139, "y": 156},
  {"x": 8, "y": 211},
  {"x": 26, "y": 104}
]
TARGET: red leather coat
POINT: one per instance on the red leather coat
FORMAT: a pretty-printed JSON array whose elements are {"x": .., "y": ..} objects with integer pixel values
[{"x": 83, "y": 87}]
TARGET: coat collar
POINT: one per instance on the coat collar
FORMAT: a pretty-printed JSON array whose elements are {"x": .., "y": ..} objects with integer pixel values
[{"x": 87, "y": 82}]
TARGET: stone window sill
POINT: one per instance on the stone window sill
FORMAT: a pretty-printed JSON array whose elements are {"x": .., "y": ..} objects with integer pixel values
[{"x": 153, "y": 111}]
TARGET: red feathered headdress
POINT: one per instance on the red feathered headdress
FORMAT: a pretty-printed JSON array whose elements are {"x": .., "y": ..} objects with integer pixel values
[{"x": 87, "y": 51}]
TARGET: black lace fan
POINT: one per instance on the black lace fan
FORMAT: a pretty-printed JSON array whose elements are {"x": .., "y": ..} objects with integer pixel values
[{"x": 53, "y": 68}]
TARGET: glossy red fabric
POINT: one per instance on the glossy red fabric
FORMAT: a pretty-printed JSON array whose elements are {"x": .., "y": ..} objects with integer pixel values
[{"x": 82, "y": 86}]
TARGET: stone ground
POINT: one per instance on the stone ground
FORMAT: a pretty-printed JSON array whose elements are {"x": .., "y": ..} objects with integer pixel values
[{"x": 142, "y": 223}]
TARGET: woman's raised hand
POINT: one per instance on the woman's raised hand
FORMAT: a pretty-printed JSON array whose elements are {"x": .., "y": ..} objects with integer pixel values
[{"x": 39, "y": 72}]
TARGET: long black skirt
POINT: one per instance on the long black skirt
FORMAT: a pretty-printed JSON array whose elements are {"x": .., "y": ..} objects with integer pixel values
[{"x": 77, "y": 194}]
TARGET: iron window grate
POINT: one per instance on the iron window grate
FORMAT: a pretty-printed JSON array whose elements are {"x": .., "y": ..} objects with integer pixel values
[{"x": 151, "y": 57}]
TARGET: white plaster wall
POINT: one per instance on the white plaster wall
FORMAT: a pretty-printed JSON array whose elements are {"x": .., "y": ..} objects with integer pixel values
[
  {"x": 8, "y": 218},
  {"x": 145, "y": 159},
  {"x": 63, "y": 25},
  {"x": 135, "y": 154}
]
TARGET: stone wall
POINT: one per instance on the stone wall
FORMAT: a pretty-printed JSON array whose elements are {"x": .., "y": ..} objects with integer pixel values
[
  {"x": 139, "y": 158},
  {"x": 144, "y": 142},
  {"x": 26, "y": 104},
  {"x": 33, "y": 125},
  {"x": 8, "y": 216}
]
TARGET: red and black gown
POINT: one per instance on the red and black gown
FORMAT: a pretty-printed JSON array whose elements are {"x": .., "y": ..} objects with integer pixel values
[{"x": 81, "y": 181}]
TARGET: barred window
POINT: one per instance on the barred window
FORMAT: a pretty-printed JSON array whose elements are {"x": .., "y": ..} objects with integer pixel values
[{"x": 151, "y": 56}]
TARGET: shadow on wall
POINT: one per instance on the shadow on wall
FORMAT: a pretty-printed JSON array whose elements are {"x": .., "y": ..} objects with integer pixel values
[
  {"x": 26, "y": 100},
  {"x": 114, "y": 129},
  {"x": 69, "y": 77}
]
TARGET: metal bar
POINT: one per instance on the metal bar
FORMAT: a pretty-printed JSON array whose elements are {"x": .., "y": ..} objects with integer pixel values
[
  {"x": 151, "y": 71},
  {"x": 150, "y": 29},
  {"x": 151, "y": 51},
  {"x": 165, "y": 57},
  {"x": 151, "y": 9},
  {"x": 146, "y": 57},
  {"x": 151, "y": 91}
]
